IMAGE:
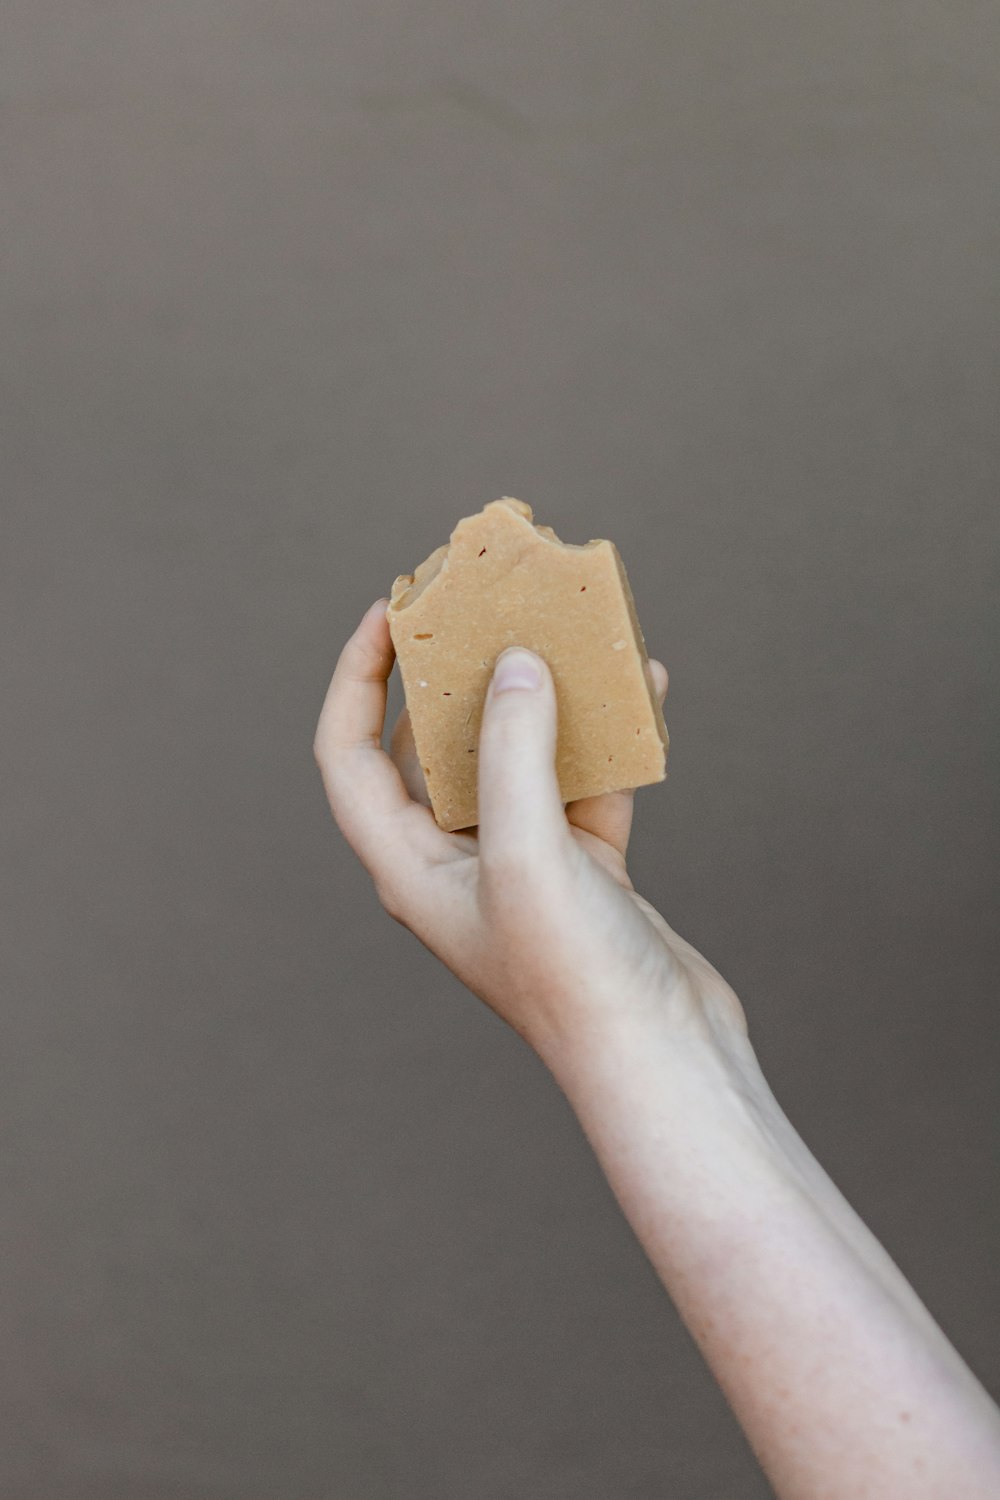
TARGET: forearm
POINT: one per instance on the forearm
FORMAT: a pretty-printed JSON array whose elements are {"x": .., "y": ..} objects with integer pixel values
[{"x": 840, "y": 1378}]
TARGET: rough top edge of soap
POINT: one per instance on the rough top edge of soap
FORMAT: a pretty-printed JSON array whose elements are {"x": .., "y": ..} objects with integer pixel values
[{"x": 408, "y": 587}]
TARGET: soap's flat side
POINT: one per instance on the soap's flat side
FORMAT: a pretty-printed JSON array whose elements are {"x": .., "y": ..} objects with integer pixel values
[
  {"x": 408, "y": 587},
  {"x": 445, "y": 640},
  {"x": 506, "y": 582}
]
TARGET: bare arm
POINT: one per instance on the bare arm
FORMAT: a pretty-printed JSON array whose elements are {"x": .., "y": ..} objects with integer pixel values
[
  {"x": 841, "y": 1380},
  {"x": 838, "y": 1375}
]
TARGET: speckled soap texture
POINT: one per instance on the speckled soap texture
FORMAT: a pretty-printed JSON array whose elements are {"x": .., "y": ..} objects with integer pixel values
[{"x": 504, "y": 581}]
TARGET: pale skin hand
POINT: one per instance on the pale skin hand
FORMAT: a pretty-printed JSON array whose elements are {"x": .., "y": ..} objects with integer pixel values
[
  {"x": 843, "y": 1383},
  {"x": 535, "y": 912}
]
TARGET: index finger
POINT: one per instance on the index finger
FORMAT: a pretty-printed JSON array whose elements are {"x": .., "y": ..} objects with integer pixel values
[{"x": 387, "y": 830}]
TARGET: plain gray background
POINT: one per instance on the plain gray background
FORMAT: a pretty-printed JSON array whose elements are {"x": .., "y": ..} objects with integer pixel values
[{"x": 287, "y": 290}]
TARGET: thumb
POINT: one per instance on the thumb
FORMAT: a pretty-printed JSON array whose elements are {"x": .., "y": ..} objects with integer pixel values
[{"x": 521, "y": 815}]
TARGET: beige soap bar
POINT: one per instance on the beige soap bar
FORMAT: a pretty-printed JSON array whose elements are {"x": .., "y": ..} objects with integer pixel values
[{"x": 503, "y": 581}]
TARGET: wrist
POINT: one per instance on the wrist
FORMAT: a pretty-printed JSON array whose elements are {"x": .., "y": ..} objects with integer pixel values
[
  {"x": 687, "y": 1102},
  {"x": 689, "y": 1109},
  {"x": 679, "y": 1046}
]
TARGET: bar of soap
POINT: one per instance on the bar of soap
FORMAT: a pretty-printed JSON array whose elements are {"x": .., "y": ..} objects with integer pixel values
[{"x": 503, "y": 581}]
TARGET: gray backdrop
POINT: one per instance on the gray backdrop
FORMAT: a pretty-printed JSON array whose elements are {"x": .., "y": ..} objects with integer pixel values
[{"x": 288, "y": 289}]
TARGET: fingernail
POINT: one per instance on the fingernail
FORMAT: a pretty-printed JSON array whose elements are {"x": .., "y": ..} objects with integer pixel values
[{"x": 516, "y": 668}]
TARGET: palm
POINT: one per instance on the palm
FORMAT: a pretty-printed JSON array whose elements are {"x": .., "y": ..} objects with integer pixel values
[{"x": 433, "y": 882}]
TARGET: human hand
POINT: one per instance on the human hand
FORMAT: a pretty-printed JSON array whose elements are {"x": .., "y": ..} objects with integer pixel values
[{"x": 534, "y": 910}]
